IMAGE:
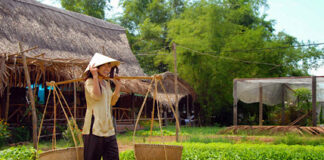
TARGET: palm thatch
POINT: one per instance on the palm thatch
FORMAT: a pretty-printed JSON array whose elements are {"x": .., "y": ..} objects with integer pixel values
[
  {"x": 3, "y": 75},
  {"x": 62, "y": 34},
  {"x": 66, "y": 42},
  {"x": 184, "y": 89}
]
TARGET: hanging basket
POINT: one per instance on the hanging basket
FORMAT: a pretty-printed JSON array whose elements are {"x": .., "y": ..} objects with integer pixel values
[
  {"x": 66, "y": 154},
  {"x": 157, "y": 152}
]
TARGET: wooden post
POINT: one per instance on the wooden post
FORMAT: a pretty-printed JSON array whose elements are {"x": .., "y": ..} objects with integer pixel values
[
  {"x": 260, "y": 106},
  {"x": 188, "y": 112},
  {"x": 75, "y": 99},
  {"x": 282, "y": 104},
  {"x": 176, "y": 88},
  {"x": 235, "y": 102},
  {"x": 314, "y": 119},
  {"x": 133, "y": 109},
  {"x": 193, "y": 112},
  {"x": 165, "y": 118},
  {"x": 145, "y": 111},
  {"x": 31, "y": 97},
  {"x": 7, "y": 100}
]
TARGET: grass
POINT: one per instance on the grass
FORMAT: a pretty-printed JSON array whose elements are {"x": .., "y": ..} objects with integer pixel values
[
  {"x": 210, "y": 135},
  {"x": 187, "y": 134},
  {"x": 293, "y": 139},
  {"x": 171, "y": 131}
]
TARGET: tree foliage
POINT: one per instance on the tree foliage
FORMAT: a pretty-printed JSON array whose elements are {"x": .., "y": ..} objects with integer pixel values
[
  {"x": 217, "y": 41},
  {"x": 146, "y": 21},
  {"x": 95, "y": 8},
  {"x": 222, "y": 40}
]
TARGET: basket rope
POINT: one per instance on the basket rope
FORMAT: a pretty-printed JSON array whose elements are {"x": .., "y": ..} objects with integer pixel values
[
  {"x": 155, "y": 80},
  {"x": 59, "y": 95}
]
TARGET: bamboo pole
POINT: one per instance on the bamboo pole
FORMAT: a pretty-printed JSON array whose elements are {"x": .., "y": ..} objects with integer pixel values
[
  {"x": 154, "y": 99},
  {"x": 141, "y": 109},
  {"x": 69, "y": 123},
  {"x": 31, "y": 97},
  {"x": 106, "y": 78},
  {"x": 176, "y": 88}
]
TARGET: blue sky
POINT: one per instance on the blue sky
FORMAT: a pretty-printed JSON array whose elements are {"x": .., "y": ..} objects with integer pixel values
[{"x": 302, "y": 19}]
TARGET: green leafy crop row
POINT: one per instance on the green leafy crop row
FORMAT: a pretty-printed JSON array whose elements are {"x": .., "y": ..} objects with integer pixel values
[
  {"x": 18, "y": 153},
  {"x": 226, "y": 151}
]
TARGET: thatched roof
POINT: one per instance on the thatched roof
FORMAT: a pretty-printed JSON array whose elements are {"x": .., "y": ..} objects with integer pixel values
[
  {"x": 140, "y": 87},
  {"x": 184, "y": 89},
  {"x": 62, "y": 34},
  {"x": 66, "y": 41}
]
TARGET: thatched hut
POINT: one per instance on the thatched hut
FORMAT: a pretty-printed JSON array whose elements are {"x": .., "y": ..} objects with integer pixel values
[{"x": 65, "y": 43}]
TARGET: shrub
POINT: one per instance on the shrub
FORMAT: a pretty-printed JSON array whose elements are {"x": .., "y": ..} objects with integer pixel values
[
  {"x": 21, "y": 134},
  {"x": 155, "y": 133},
  {"x": 68, "y": 136},
  {"x": 147, "y": 124},
  {"x": 304, "y": 95},
  {"x": 18, "y": 153},
  {"x": 4, "y": 133}
]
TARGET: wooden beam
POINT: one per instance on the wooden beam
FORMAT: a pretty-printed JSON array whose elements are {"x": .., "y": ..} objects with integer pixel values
[
  {"x": 21, "y": 52},
  {"x": 7, "y": 100},
  {"x": 260, "y": 105},
  {"x": 75, "y": 99},
  {"x": 314, "y": 118},
  {"x": 31, "y": 97},
  {"x": 176, "y": 88},
  {"x": 235, "y": 100},
  {"x": 188, "y": 112}
]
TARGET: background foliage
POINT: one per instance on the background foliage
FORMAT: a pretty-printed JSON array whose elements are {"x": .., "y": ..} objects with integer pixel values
[{"x": 217, "y": 41}]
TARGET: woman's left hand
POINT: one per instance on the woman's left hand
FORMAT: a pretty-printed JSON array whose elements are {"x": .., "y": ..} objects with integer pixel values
[{"x": 116, "y": 80}]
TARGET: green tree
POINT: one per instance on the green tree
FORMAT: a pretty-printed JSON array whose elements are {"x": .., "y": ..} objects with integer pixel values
[
  {"x": 146, "y": 22},
  {"x": 95, "y": 8},
  {"x": 218, "y": 41}
]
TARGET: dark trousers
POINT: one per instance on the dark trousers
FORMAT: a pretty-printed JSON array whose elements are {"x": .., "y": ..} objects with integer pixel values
[{"x": 96, "y": 147}]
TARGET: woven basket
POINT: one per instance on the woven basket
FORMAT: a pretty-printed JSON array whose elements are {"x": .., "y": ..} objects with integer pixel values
[
  {"x": 157, "y": 152},
  {"x": 62, "y": 154}
]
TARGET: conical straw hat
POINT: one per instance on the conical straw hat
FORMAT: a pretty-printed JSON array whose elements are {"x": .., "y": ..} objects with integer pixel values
[{"x": 98, "y": 59}]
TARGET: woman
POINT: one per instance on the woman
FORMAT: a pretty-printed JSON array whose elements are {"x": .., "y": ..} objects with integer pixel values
[{"x": 98, "y": 130}]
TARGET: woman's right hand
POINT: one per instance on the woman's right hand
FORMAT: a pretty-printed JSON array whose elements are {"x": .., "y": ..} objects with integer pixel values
[{"x": 94, "y": 70}]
